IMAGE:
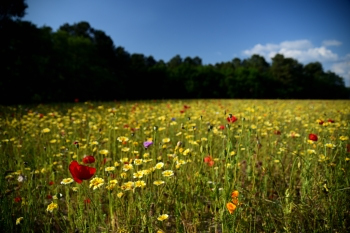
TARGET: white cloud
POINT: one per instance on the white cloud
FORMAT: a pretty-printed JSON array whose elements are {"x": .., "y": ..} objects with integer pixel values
[
  {"x": 343, "y": 69},
  {"x": 331, "y": 43},
  {"x": 302, "y": 50},
  {"x": 305, "y": 52}
]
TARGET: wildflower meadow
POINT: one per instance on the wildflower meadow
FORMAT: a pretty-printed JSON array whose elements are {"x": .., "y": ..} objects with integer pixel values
[{"x": 176, "y": 166}]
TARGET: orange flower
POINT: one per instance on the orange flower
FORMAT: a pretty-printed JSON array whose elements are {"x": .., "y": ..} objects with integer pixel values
[
  {"x": 234, "y": 194},
  {"x": 231, "y": 207},
  {"x": 235, "y": 201}
]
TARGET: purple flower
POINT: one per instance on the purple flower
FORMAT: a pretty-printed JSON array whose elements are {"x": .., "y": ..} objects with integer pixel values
[{"x": 146, "y": 144}]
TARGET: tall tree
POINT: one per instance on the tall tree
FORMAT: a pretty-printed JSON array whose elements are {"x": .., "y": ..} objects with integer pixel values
[{"x": 10, "y": 9}]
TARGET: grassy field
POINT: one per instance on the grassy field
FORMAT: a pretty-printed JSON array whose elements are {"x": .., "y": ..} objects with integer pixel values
[{"x": 176, "y": 166}]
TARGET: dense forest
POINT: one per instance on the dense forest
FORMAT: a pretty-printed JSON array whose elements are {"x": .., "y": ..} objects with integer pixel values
[{"x": 77, "y": 61}]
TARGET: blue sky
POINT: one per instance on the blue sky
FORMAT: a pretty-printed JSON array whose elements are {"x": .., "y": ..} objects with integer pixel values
[{"x": 214, "y": 30}]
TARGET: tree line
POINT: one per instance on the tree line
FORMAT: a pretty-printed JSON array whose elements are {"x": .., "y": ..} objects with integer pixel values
[{"x": 40, "y": 65}]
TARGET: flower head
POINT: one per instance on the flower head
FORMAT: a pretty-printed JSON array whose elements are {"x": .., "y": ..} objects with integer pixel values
[
  {"x": 231, "y": 118},
  {"x": 163, "y": 217},
  {"x": 89, "y": 159},
  {"x": 231, "y": 207},
  {"x": 51, "y": 207},
  {"x": 96, "y": 182},
  {"x": 313, "y": 137},
  {"x": 168, "y": 173},
  {"x": 67, "y": 181},
  {"x": 146, "y": 144},
  {"x": 209, "y": 160},
  {"x": 81, "y": 172},
  {"x": 18, "y": 220},
  {"x": 159, "y": 165}
]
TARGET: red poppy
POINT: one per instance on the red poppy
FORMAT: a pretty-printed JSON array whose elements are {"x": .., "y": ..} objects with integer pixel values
[
  {"x": 186, "y": 106},
  {"x": 321, "y": 122},
  {"x": 313, "y": 137},
  {"x": 81, "y": 172},
  {"x": 209, "y": 160},
  {"x": 222, "y": 127},
  {"x": 231, "y": 119},
  {"x": 89, "y": 159},
  {"x": 51, "y": 183},
  {"x": 331, "y": 121},
  {"x": 182, "y": 111},
  {"x": 18, "y": 199}
]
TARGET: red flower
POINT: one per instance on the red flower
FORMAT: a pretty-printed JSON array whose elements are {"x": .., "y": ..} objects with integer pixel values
[
  {"x": 222, "y": 127},
  {"x": 313, "y": 137},
  {"x": 321, "y": 122},
  {"x": 231, "y": 119},
  {"x": 51, "y": 183},
  {"x": 182, "y": 111},
  {"x": 209, "y": 160},
  {"x": 18, "y": 199},
  {"x": 348, "y": 148},
  {"x": 186, "y": 107},
  {"x": 89, "y": 159},
  {"x": 330, "y": 120},
  {"x": 81, "y": 172},
  {"x": 48, "y": 196}
]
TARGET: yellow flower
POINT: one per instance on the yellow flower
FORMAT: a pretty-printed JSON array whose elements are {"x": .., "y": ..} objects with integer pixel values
[
  {"x": 158, "y": 182},
  {"x": 140, "y": 184},
  {"x": 127, "y": 167},
  {"x": 120, "y": 194},
  {"x": 138, "y": 162},
  {"x": 127, "y": 186},
  {"x": 67, "y": 181},
  {"x": 104, "y": 152},
  {"x": 125, "y": 149},
  {"x": 168, "y": 173},
  {"x": 163, "y": 217},
  {"x": 166, "y": 140},
  {"x": 109, "y": 169},
  {"x": 138, "y": 174},
  {"x": 51, "y": 207},
  {"x": 122, "y": 139},
  {"x": 330, "y": 145},
  {"x": 159, "y": 165},
  {"x": 343, "y": 138},
  {"x": 18, "y": 220},
  {"x": 309, "y": 151},
  {"x": 46, "y": 130},
  {"x": 96, "y": 182},
  {"x": 186, "y": 152}
]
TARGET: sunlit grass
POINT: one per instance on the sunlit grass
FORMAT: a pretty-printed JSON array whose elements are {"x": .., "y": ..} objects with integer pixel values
[{"x": 176, "y": 166}]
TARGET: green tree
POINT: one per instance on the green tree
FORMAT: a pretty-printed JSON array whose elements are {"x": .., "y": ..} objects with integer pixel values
[{"x": 289, "y": 73}]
